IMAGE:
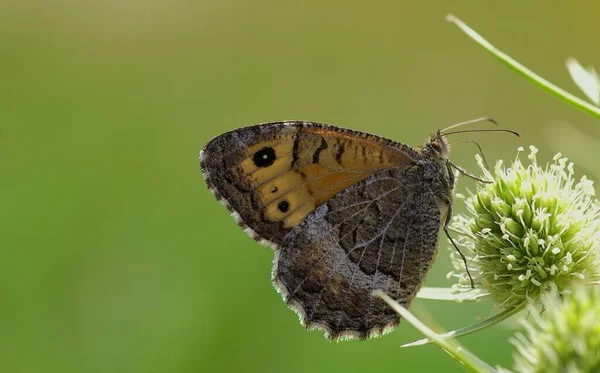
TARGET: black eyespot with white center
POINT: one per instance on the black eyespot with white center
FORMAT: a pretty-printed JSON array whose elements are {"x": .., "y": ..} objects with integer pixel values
[
  {"x": 264, "y": 157},
  {"x": 283, "y": 206}
]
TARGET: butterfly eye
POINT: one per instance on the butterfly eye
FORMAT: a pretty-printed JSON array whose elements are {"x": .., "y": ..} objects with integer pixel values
[{"x": 436, "y": 146}]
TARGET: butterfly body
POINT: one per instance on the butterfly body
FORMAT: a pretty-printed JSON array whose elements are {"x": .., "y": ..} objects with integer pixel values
[{"x": 346, "y": 213}]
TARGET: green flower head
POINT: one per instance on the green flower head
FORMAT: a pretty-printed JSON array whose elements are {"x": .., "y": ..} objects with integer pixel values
[
  {"x": 565, "y": 337},
  {"x": 530, "y": 229}
]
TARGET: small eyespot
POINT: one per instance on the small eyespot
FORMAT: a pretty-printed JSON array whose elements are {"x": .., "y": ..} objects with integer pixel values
[
  {"x": 264, "y": 157},
  {"x": 283, "y": 206},
  {"x": 274, "y": 189}
]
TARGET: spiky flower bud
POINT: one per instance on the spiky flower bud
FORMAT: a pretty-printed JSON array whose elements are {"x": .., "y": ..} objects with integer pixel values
[
  {"x": 532, "y": 228},
  {"x": 564, "y": 337}
]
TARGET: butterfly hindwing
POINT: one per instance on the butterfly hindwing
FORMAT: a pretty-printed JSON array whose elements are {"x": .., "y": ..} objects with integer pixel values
[
  {"x": 272, "y": 176},
  {"x": 371, "y": 236}
]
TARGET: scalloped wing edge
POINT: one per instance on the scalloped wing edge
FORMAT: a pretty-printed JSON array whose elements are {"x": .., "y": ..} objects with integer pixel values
[{"x": 236, "y": 216}]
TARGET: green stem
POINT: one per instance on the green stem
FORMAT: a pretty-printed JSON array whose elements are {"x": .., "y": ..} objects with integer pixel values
[
  {"x": 486, "y": 323},
  {"x": 528, "y": 74},
  {"x": 459, "y": 353}
]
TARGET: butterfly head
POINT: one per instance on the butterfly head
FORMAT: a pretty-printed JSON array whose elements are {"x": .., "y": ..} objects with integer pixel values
[{"x": 438, "y": 145}]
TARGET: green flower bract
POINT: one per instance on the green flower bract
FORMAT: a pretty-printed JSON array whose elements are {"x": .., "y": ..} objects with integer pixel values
[
  {"x": 564, "y": 337},
  {"x": 530, "y": 229}
]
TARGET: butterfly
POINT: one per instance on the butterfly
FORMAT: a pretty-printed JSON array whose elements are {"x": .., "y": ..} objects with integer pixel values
[{"x": 345, "y": 212}]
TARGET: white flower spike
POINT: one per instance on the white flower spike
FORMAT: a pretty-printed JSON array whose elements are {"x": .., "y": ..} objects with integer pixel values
[
  {"x": 564, "y": 337},
  {"x": 533, "y": 228}
]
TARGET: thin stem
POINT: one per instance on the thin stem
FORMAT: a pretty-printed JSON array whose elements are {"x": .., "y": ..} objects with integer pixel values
[
  {"x": 522, "y": 70},
  {"x": 505, "y": 314},
  {"x": 459, "y": 353}
]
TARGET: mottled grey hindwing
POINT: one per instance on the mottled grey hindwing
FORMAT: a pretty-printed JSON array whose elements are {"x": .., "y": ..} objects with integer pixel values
[{"x": 378, "y": 234}]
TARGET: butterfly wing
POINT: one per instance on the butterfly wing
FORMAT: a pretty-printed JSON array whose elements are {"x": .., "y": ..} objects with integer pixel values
[
  {"x": 378, "y": 234},
  {"x": 272, "y": 176}
]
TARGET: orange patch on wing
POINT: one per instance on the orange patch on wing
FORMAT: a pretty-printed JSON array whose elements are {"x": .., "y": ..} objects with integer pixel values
[{"x": 324, "y": 164}]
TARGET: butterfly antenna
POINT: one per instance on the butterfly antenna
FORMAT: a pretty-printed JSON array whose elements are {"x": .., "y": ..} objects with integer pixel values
[
  {"x": 478, "y": 120},
  {"x": 484, "y": 130},
  {"x": 480, "y": 151}
]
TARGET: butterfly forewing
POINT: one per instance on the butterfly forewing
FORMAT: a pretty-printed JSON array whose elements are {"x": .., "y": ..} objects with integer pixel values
[{"x": 272, "y": 176}]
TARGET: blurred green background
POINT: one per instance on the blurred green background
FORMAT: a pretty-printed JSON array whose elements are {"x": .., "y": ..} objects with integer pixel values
[{"x": 114, "y": 255}]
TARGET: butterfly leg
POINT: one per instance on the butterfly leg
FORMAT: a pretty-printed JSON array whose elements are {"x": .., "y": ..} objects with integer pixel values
[
  {"x": 446, "y": 224},
  {"x": 468, "y": 174}
]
